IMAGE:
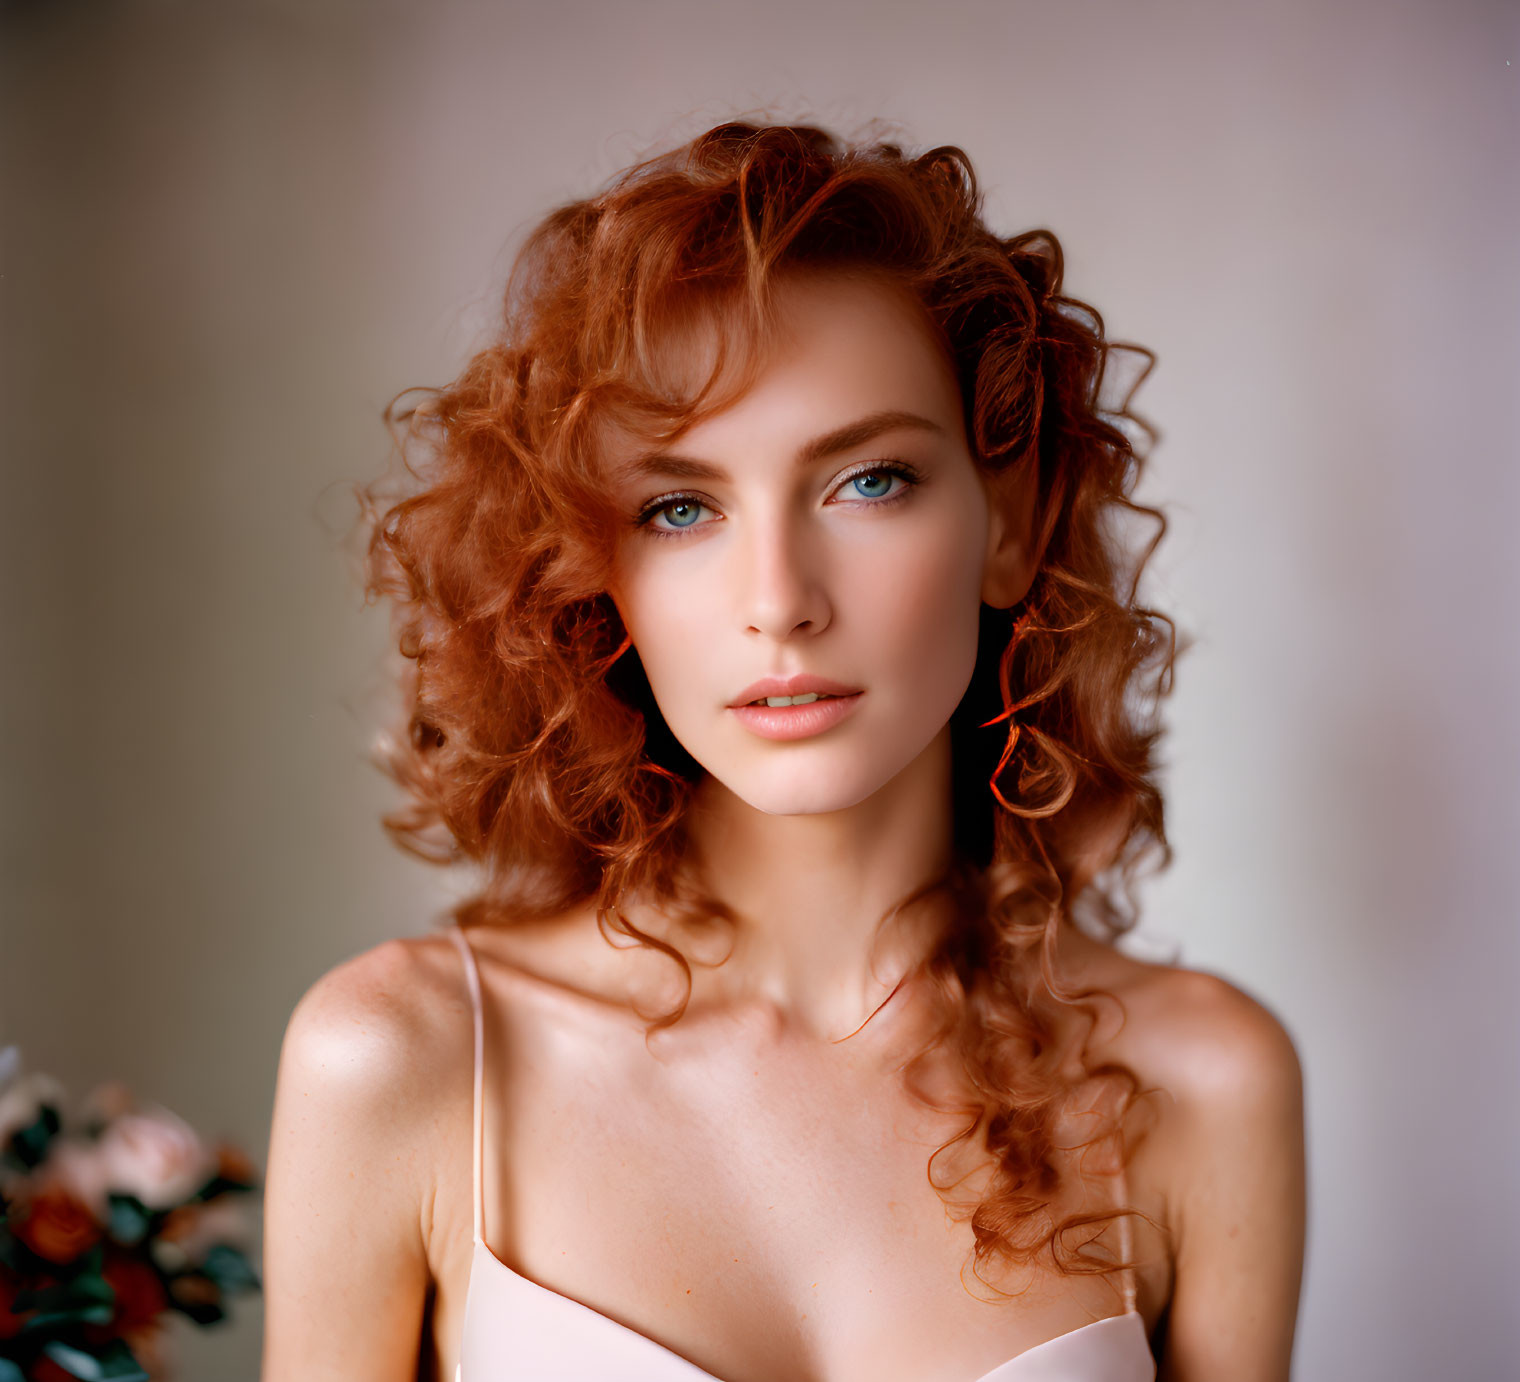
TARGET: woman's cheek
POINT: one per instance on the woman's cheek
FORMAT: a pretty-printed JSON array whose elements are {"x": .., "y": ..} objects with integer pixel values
[
  {"x": 929, "y": 603},
  {"x": 674, "y": 634}
]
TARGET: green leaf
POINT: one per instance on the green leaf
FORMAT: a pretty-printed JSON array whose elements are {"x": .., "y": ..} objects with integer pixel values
[
  {"x": 15, "y": 1254},
  {"x": 220, "y": 1185},
  {"x": 85, "y": 1289},
  {"x": 229, "y": 1268},
  {"x": 86, "y": 1299},
  {"x": 30, "y": 1144},
  {"x": 45, "y": 1321},
  {"x": 11, "y": 1372},
  {"x": 129, "y": 1219},
  {"x": 112, "y": 1363}
]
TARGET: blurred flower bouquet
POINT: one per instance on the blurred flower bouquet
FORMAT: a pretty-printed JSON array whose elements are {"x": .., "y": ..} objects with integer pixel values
[{"x": 106, "y": 1224}]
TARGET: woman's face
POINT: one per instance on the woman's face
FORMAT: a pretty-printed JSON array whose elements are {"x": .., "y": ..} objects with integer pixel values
[{"x": 828, "y": 527}]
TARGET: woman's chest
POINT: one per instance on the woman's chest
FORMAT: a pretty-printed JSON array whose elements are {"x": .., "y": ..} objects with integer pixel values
[{"x": 767, "y": 1210}]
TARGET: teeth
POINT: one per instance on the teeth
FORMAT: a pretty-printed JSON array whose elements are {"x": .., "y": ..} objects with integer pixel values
[{"x": 806, "y": 699}]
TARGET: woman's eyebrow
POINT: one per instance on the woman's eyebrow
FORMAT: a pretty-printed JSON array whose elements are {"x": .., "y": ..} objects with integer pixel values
[{"x": 851, "y": 435}]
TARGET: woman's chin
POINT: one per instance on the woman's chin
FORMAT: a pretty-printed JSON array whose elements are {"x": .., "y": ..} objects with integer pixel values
[
  {"x": 804, "y": 798},
  {"x": 814, "y": 781}
]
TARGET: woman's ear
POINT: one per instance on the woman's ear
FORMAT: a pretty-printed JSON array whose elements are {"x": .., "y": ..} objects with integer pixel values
[{"x": 1011, "y": 559}]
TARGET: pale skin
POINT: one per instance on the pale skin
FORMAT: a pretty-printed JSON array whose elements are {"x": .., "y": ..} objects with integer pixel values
[{"x": 749, "y": 1190}]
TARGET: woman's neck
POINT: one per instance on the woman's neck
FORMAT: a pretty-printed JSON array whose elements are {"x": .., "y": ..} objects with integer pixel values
[{"x": 810, "y": 893}]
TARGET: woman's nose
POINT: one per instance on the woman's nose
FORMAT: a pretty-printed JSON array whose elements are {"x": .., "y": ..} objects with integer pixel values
[{"x": 779, "y": 580}]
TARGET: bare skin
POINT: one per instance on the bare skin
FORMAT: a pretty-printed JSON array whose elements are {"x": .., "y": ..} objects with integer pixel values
[
  {"x": 747, "y": 1189},
  {"x": 710, "y": 1173}
]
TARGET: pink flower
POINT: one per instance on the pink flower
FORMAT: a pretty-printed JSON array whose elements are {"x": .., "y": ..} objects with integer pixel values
[
  {"x": 75, "y": 1165},
  {"x": 156, "y": 1156}
]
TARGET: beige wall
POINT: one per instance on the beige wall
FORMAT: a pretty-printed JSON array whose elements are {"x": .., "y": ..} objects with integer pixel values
[{"x": 230, "y": 233}]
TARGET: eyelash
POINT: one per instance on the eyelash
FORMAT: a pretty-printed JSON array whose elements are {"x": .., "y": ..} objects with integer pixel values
[{"x": 911, "y": 478}]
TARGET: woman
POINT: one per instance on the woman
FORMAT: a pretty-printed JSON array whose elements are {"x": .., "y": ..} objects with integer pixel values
[{"x": 774, "y": 653}]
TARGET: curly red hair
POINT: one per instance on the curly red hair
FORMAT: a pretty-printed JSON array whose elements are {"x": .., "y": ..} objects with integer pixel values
[{"x": 534, "y": 747}]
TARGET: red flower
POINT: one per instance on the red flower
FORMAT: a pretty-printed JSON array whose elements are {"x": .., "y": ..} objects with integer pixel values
[
  {"x": 57, "y": 1227},
  {"x": 140, "y": 1297},
  {"x": 10, "y": 1322}
]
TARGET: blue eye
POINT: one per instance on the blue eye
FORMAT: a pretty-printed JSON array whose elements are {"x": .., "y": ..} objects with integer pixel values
[
  {"x": 881, "y": 479},
  {"x": 682, "y": 514},
  {"x": 882, "y": 482}
]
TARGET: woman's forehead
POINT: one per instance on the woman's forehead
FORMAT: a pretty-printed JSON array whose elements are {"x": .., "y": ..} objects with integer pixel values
[
  {"x": 796, "y": 298},
  {"x": 862, "y": 324}
]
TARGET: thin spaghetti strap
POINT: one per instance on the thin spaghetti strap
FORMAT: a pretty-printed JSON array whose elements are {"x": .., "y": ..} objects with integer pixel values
[
  {"x": 472, "y": 977},
  {"x": 1126, "y": 1244}
]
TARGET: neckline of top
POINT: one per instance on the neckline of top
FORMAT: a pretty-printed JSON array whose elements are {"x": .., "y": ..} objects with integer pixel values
[{"x": 1117, "y": 1325}]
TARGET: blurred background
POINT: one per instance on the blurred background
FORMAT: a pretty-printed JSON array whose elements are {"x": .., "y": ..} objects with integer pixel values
[{"x": 231, "y": 232}]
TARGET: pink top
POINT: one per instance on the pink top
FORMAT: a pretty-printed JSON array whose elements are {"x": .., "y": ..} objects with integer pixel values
[{"x": 515, "y": 1329}]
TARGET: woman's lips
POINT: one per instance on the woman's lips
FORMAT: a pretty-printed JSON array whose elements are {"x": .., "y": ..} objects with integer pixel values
[
  {"x": 796, "y": 721},
  {"x": 799, "y": 684}
]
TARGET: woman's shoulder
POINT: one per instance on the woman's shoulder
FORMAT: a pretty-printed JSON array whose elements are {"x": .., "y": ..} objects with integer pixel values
[
  {"x": 1218, "y": 1129},
  {"x": 1220, "y": 1052},
  {"x": 1220, "y": 1154},
  {"x": 388, "y": 1027},
  {"x": 1221, "y": 1125},
  {"x": 1188, "y": 1031},
  {"x": 367, "y": 1190}
]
